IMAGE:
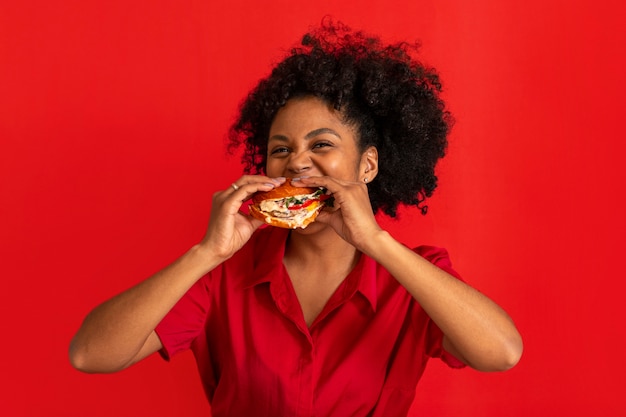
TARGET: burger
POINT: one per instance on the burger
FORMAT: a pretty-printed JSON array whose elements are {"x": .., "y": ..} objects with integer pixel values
[{"x": 287, "y": 206}]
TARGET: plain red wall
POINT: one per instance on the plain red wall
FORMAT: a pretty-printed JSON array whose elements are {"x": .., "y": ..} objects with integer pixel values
[{"x": 112, "y": 123}]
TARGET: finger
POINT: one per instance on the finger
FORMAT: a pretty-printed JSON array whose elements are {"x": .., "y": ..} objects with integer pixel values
[
  {"x": 254, "y": 183},
  {"x": 245, "y": 192},
  {"x": 255, "y": 179}
]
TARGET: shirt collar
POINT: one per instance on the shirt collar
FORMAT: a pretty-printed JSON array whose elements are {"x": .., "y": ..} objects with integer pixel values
[
  {"x": 268, "y": 252},
  {"x": 367, "y": 279},
  {"x": 268, "y": 248}
]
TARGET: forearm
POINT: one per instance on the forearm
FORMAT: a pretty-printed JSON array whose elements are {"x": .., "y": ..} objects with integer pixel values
[
  {"x": 479, "y": 330},
  {"x": 113, "y": 334}
]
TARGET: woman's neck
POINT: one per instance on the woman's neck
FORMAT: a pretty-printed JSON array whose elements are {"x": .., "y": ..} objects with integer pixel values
[
  {"x": 324, "y": 247},
  {"x": 317, "y": 262}
]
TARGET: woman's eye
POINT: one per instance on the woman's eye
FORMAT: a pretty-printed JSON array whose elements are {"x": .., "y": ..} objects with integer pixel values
[
  {"x": 279, "y": 150},
  {"x": 319, "y": 145}
]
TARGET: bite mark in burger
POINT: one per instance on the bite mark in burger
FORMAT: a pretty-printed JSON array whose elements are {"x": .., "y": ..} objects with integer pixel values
[{"x": 287, "y": 206}]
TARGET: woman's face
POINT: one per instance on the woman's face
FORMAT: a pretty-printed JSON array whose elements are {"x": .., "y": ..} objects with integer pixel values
[{"x": 309, "y": 138}]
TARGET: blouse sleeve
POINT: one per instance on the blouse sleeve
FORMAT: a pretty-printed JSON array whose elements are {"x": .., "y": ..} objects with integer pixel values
[
  {"x": 185, "y": 321},
  {"x": 434, "y": 335}
]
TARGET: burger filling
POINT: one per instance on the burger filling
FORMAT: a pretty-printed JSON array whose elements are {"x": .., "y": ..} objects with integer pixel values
[{"x": 293, "y": 207}]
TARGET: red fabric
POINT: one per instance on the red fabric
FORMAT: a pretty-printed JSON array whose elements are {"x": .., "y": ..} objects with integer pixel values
[{"x": 363, "y": 355}]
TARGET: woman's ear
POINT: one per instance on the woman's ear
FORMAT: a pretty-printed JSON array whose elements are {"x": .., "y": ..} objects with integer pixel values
[{"x": 368, "y": 168}]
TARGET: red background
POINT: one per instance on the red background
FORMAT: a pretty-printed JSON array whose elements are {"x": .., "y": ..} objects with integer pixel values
[{"x": 112, "y": 124}]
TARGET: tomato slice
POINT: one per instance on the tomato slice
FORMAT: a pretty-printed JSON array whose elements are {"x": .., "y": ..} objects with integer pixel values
[{"x": 307, "y": 203}]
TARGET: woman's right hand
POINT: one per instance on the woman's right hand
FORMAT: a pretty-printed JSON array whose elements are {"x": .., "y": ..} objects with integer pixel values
[
  {"x": 229, "y": 229},
  {"x": 120, "y": 331}
]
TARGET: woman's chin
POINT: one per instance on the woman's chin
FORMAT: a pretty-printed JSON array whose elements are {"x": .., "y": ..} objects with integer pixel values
[{"x": 311, "y": 228}]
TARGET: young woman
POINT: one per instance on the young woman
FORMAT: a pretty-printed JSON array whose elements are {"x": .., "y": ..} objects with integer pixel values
[{"x": 337, "y": 318}]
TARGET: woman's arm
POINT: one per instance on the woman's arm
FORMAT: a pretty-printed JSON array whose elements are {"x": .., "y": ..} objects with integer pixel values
[
  {"x": 120, "y": 331},
  {"x": 476, "y": 330}
]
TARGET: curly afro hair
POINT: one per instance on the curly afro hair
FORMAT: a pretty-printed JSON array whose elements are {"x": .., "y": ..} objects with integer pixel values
[{"x": 391, "y": 98}]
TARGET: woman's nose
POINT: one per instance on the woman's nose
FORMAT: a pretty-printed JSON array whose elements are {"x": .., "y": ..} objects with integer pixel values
[{"x": 299, "y": 162}]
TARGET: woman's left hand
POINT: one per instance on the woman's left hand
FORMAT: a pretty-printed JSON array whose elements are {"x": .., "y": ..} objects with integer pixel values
[{"x": 351, "y": 214}]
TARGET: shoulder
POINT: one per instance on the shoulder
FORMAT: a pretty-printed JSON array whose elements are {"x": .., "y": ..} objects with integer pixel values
[
  {"x": 437, "y": 256},
  {"x": 434, "y": 254}
]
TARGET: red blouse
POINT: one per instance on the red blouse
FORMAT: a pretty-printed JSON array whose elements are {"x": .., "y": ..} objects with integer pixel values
[{"x": 362, "y": 356}]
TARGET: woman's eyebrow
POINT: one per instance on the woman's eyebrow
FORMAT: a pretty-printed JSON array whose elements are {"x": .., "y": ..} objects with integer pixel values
[
  {"x": 322, "y": 131},
  {"x": 310, "y": 135}
]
